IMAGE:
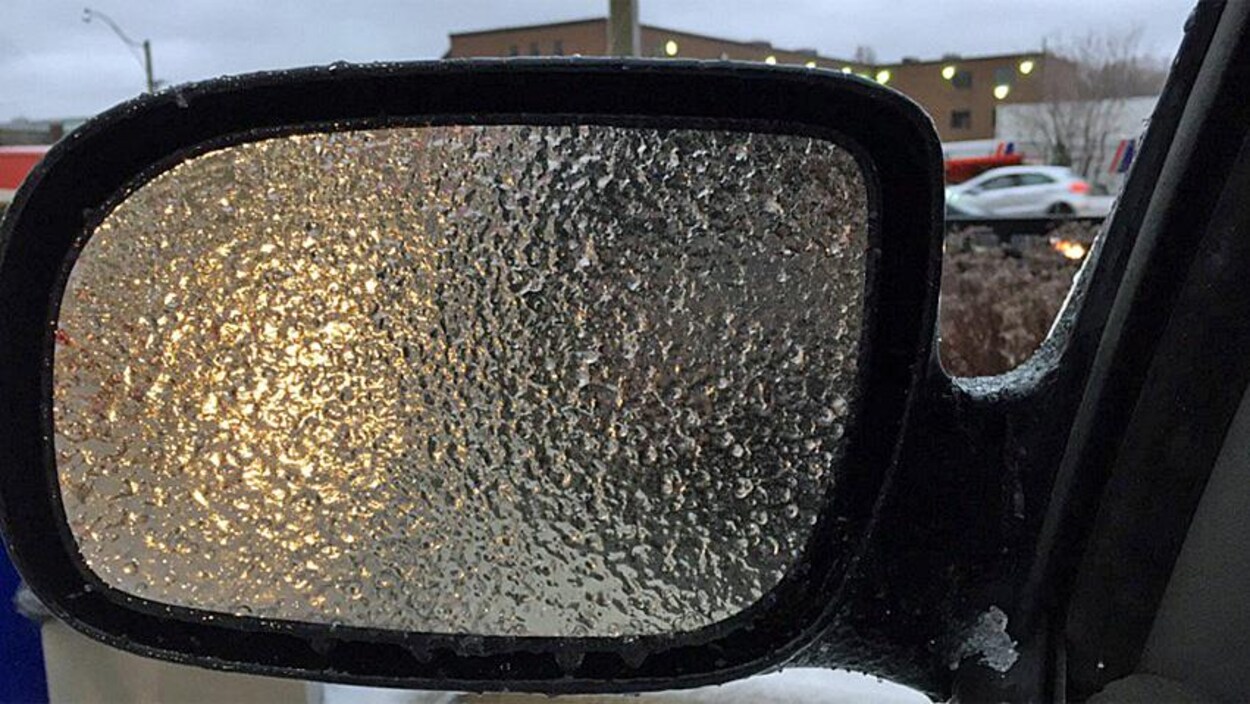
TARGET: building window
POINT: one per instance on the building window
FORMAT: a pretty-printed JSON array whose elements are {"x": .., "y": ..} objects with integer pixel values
[
  {"x": 557, "y": 47},
  {"x": 514, "y": 50},
  {"x": 534, "y": 49},
  {"x": 962, "y": 79},
  {"x": 961, "y": 119},
  {"x": 1004, "y": 75}
]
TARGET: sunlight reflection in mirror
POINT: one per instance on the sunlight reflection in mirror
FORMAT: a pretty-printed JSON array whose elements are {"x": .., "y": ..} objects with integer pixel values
[{"x": 501, "y": 380}]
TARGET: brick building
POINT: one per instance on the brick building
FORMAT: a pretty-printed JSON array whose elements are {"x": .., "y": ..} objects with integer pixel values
[
  {"x": 27, "y": 132},
  {"x": 961, "y": 94}
]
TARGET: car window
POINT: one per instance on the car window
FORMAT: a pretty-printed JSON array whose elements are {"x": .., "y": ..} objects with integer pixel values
[
  {"x": 1035, "y": 179},
  {"x": 1001, "y": 182}
]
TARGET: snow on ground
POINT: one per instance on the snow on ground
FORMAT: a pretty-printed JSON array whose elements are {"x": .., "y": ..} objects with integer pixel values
[{"x": 793, "y": 686}]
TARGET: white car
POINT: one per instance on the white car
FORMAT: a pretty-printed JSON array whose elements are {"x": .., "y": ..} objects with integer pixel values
[{"x": 1027, "y": 191}]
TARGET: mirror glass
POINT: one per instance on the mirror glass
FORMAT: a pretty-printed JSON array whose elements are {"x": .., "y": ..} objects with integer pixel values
[{"x": 498, "y": 380}]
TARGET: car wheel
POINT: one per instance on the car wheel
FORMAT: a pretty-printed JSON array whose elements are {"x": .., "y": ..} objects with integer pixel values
[{"x": 1060, "y": 209}]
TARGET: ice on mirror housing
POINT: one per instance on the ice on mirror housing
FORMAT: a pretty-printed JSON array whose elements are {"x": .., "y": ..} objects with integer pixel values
[{"x": 501, "y": 380}]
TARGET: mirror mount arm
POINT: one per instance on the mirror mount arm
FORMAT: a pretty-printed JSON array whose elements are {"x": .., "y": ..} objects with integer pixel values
[
  {"x": 960, "y": 515},
  {"x": 959, "y": 523}
]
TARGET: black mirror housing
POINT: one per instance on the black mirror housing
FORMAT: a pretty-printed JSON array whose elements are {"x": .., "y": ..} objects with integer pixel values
[{"x": 92, "y": 170}]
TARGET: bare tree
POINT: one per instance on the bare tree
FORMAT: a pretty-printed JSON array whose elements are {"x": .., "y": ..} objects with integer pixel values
[{"x": 1087, "y": 82}]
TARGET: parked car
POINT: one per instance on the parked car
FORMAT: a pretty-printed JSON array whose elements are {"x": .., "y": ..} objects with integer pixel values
[
  {"x": 963, "y": 210},
  {"x": 1028, "y": 191}
]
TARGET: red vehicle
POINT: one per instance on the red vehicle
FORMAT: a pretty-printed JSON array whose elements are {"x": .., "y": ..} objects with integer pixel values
[
  {"x": 15, "y": 163},
  {"x": 960, "y": 170}
]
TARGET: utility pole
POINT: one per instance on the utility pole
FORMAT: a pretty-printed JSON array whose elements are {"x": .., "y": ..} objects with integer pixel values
[
  {"x": 624, "y": 37},
  {"x": 147, "y": 65},
  {"x": 89, "y": 14}
]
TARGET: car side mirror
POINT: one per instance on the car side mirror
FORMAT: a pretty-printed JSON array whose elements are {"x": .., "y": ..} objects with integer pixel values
[{"x": 542, "y": 375}]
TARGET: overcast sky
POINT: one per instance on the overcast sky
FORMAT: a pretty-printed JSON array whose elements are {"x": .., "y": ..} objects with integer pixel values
[{"x": 53, "y": 65}]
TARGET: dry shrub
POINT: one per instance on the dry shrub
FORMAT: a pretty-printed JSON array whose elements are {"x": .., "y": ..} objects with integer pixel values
[{"x": 999, "y": 299}]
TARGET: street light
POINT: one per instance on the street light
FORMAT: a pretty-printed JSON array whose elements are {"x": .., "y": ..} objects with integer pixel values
[{"x": 88, "y": 14}]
